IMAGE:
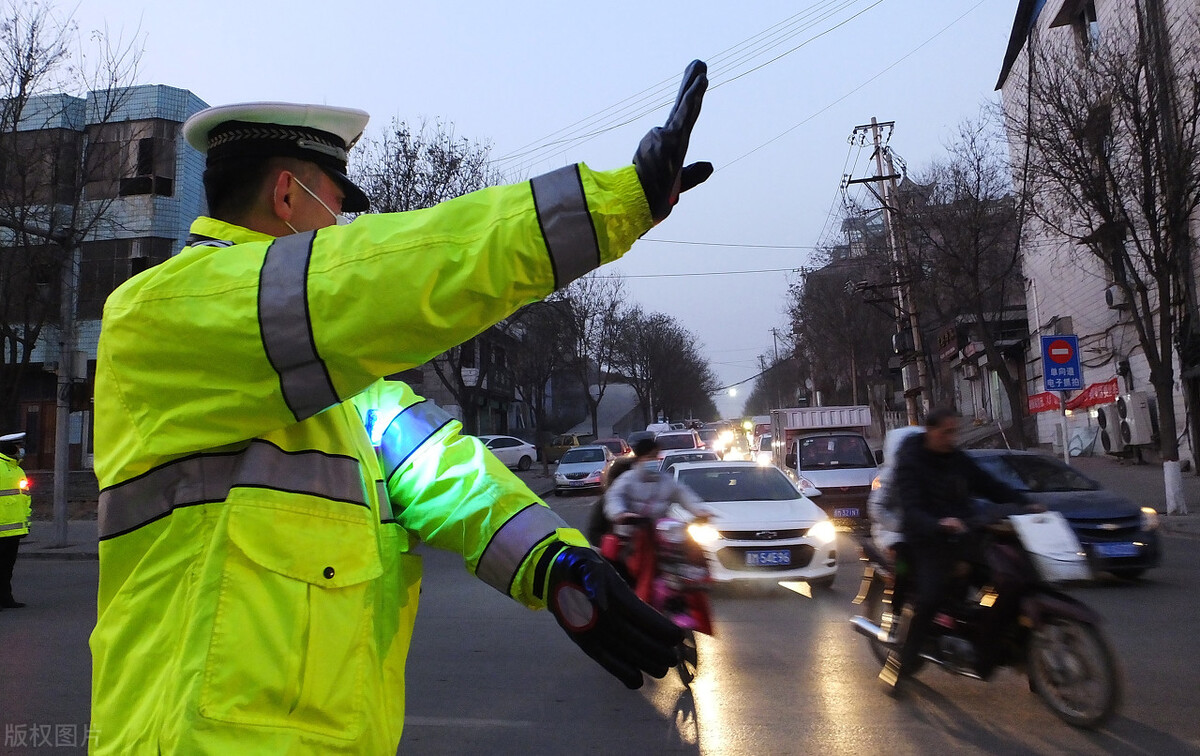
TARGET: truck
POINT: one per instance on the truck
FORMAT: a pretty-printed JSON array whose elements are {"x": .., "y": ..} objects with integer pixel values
[{"x": 826, "y": 448}]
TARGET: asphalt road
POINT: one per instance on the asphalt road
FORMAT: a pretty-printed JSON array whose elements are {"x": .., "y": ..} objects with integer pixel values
[{"x": 784, "y": 674}]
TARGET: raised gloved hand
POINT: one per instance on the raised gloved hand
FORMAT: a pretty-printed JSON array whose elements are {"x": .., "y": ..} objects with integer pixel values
[
  {"x": 659, "y": 157},
  {"x": 603, "y": 616}
]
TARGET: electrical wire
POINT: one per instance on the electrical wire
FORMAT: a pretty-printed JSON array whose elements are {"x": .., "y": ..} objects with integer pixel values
[
  {"x": 656, "y": 93},
  {"x": 657, "y": 96},
  {"x": 895, "y": 63}
]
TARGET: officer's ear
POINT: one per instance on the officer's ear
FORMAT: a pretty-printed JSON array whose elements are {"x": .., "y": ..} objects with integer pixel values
[{"x": 282, "y": 195}]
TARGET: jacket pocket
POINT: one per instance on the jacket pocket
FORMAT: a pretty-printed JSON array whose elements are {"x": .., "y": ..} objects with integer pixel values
[{"x": 291, "y": 635}]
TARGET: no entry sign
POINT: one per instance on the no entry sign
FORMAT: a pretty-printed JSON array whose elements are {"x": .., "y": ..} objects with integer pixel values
[{"x": 1060, "y": 363}]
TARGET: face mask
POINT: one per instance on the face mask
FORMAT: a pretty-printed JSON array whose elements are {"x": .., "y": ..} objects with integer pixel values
[{"x": 338, "y": 218}]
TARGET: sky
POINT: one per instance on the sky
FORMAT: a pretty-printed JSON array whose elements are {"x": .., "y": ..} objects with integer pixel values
[{"x": 552, "y": 83}]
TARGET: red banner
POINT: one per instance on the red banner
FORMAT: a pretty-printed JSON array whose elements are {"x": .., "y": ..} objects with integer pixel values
[
  {"x": 1043, "y": 402},
  {"x": 1096, "y": 394}
]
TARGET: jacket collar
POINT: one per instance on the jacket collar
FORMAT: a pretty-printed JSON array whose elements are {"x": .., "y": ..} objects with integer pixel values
[{"x": 217, "y": 229}]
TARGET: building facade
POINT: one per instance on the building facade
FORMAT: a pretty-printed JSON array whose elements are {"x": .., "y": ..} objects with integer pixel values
[
  {"x": 1072, "y": 285},
  {"x": 134, "y": 187}
]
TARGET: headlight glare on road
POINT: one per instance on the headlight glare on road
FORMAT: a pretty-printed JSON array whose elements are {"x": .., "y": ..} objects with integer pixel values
[
  {"x": 1149, "y": 518},
  {"x": 703, "y": 534},
  {"x": 822, "y": 532}
]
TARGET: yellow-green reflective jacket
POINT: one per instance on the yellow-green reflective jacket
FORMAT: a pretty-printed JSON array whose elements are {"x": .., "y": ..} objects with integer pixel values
[
  {"x": 262, "y": 488},
  {"x": 14, "y": 502}
]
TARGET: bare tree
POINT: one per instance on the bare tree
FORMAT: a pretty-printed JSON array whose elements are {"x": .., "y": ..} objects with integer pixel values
[
  {"x": 412, "y": 169},
  {"x": 594, "y": 329},
  {"x": 959, "y": 226},
  {"x": 660, "y": 360},
  {"x": 842, "y": 319},
  {"x": 1112, "y": 134},
  {"x": 58, "y": 109},
  {"x": 543, "y": 329}
]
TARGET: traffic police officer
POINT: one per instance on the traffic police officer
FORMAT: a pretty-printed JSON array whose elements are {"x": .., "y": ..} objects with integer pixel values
[
  {"x": 262, "y": 488},
  {"x": 14, "y": 512}
]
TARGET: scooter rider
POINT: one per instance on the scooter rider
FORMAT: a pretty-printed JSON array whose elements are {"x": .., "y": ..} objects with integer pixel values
[
  {"x": 646, "y": 494},
  {"x": 934, "y": 484}
]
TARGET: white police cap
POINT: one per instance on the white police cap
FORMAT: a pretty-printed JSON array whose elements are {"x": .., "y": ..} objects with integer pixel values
[
  {"x": 13, "y": 437},
  {"x": 321, "y": 134}
]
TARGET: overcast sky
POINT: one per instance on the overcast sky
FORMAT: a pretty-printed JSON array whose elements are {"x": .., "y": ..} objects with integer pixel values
[{"x": 553, "y": 83}]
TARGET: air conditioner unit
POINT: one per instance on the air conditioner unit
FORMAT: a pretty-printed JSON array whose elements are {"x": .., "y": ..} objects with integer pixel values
[
  {"x": 1110, "y": 429},
  {"x": 1114, "y": 297},
  {"x": 1134, "y": 409}
]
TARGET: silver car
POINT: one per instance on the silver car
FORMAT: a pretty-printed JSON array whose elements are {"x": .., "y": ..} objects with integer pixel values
[{"x": 582, "y": 468}]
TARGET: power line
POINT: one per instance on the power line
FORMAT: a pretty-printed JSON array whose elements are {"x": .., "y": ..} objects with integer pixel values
[
  {"x": 730, "y": 244},
  {"x": 713, "y": 273},
  {"x": 897, "y": 62},
  {"x": 657, "y": 96}
]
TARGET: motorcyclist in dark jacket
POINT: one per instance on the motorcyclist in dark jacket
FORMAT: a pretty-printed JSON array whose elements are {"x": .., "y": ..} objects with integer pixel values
[{"x": 935, "y": 482}]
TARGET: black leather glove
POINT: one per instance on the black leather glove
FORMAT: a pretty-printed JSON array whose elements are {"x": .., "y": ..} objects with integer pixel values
[
  {"x": 659, "y": 157},
  {"x": 603, "y": 616}
]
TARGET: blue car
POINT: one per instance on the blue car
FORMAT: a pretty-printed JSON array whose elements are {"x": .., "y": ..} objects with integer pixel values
[{"x": 1118, "y": 536}]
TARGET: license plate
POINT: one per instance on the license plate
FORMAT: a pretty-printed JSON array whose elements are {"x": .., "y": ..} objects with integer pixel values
[
  {"x": 577, "y": 483},
  {"x": 846, "y": 512},
  {"x": 771, "y": 558},
  {"x": 1116, "y": 549}
]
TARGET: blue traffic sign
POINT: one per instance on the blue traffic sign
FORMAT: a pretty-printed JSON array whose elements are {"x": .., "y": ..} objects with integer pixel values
[{"x": 1061, "y": 370}]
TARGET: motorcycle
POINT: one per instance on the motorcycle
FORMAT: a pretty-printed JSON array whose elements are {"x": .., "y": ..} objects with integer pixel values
[
  {"x": 668, "y": 570},
  {"x": 1052, "y": 637}
]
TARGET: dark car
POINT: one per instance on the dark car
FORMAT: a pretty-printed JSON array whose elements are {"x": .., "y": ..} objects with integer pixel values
[
  {"x": 1118, "y": 536},
  {"x": 617, "y": 446}
]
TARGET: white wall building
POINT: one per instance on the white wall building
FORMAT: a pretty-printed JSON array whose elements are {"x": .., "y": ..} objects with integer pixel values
[{"x": 1069, "y": 290}]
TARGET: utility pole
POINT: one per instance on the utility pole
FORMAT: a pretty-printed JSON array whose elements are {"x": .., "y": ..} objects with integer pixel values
[
  {"x": 66, "y": 378},
  {"x": 904, "y": 311}
]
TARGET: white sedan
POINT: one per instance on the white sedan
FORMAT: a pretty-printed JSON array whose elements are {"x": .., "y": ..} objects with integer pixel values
[
  {"x": 512, "y": 451},
  {"x": 763, "y": 527}
]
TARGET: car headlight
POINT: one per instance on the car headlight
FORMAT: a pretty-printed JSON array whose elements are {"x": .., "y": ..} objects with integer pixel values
[
  {"x": 823, "y": 532},
  {"x": 560, "y": 478},
  {"x": 703, "y": 533},
  {"x": 597, "y": 474},
  {"x": 1149, "y": 518}
]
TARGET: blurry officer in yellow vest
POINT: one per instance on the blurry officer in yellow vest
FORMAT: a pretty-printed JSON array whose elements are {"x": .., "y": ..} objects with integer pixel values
[
  {"x": 14, "y": 512},
  {"x": 262, "y": 488}
]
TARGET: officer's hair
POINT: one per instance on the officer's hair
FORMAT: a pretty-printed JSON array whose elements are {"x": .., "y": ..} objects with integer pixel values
[{"x": 234, "y": 187}]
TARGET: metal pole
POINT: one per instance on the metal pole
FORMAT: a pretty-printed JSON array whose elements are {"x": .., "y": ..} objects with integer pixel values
[{"x": 62, "y": 416}]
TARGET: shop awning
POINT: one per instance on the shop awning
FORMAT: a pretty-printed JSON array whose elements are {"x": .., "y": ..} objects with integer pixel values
[{"x": 1096, "y": 394}]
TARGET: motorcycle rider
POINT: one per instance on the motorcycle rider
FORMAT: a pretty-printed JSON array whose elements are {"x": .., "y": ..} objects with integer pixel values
[
  {"x": 934, "y": 483},
  {"x": 645, "y": 494}
]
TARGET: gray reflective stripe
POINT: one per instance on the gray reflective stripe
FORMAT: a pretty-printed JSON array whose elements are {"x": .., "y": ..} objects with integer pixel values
[
  {"x": 385, "y": 504},
  {"x": 512, "y": 543},
  {"x": 286, "y": 330},
  {"x": 208, "y": 478},
  {"x": 11, "y": 492},
  {"x": 566, "y": 224},
  {"x": 407, "y": 431},
  {"x": 14, "y": 526}
]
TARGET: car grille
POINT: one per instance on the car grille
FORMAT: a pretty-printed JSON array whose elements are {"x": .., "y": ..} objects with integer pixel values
[
  {"x": 843, "y": 496},
  {"x": 734, "y": 558},
  {"x": 1118, "y": 529},
  {"x": 575, "y": 476},
  {"x": 764, "y": 534}
]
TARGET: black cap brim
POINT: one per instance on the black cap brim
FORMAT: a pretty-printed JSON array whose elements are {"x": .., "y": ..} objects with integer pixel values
[{"x": 356, "y": 199}]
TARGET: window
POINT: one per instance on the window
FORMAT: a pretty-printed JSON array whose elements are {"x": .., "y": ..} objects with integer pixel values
[
  {"x": 105, "y": 265},
  {"x": 131, "y": 158}
]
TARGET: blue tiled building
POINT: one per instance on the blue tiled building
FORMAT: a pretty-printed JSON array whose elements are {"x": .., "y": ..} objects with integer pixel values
[{"x": 123, "y": 153}]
